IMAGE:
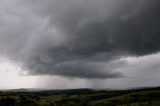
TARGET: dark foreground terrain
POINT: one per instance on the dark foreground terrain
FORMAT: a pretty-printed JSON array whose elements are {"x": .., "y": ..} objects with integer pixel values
[{"x": 81, "y": 97}]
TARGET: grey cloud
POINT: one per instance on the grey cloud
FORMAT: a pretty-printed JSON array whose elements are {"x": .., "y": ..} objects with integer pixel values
[
  {"x": 131, "y": 26},
  {"x": 76, "y": 69},
  {"x": 79, "y": 38}
]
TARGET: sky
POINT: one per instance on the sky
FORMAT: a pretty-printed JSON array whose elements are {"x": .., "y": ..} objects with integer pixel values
[{"x": 63, "y": 44}]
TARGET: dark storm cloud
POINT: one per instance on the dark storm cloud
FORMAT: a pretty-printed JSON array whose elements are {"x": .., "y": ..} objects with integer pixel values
[{"x": 79, "y": 38}]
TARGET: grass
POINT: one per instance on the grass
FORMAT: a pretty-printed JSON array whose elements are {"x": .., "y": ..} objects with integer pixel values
[{"x": 141, "y": 97}]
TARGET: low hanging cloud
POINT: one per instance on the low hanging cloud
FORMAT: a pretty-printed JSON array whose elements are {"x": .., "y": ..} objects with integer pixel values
[{"x": 78, "y": 38}]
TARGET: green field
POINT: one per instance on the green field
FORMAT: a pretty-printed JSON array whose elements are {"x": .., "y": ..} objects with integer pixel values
[{"x": 82, "y": 97}]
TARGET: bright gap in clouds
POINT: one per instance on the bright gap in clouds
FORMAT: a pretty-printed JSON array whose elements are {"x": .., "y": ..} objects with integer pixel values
[{"x": 11, "y": 77}]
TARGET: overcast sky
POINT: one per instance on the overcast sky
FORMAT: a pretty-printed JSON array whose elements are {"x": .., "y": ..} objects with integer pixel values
[{"x": 79, "y": 44}]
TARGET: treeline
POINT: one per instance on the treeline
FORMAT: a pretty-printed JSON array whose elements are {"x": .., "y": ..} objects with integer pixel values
[{"x": 22, "y": 101}]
